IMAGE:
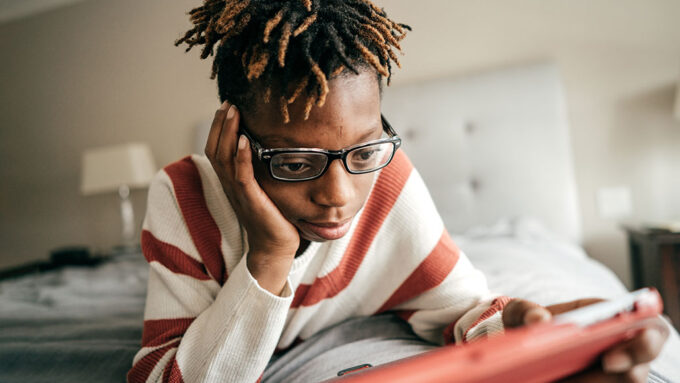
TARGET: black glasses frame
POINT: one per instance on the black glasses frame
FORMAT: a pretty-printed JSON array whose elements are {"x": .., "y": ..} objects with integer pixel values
[{"x": 265, "y": 155}]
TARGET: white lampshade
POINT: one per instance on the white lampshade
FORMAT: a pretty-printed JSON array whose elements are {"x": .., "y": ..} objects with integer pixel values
[{"x": 108, "y": 168}]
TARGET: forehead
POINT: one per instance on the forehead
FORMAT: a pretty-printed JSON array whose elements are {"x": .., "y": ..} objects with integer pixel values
[{"x": 351, "y": 112}]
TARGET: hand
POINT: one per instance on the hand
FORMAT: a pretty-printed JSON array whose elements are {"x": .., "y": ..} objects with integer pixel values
[
  {"x": 272, "y": 239},
  {"x": 627, "y": 361}
]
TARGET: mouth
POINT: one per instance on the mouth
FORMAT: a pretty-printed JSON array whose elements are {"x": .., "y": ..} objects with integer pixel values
[{"x": 326, "y": 230}]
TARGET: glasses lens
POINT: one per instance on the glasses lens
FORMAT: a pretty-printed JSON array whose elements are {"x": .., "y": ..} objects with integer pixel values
[
  {"x": 368, "y": 158},
  {"x": 297, "y": 166}
]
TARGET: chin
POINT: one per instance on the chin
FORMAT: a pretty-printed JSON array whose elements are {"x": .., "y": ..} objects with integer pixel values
[
  {"x": 314, "y": 239},
  {"x": 311, "y": 237}
]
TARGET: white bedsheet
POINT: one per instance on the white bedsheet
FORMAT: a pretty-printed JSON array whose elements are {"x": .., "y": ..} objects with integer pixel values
[{"x": 520, "y": 258}]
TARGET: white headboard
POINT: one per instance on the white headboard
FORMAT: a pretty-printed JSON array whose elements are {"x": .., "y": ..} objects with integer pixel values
[{"x": 491, "y": 146}]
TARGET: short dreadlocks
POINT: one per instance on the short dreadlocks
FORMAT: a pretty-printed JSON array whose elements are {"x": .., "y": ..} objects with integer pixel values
[{"x": 291, "y": 48}]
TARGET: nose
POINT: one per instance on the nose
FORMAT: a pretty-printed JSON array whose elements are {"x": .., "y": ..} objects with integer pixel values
[{"x": 335, "y": 187}]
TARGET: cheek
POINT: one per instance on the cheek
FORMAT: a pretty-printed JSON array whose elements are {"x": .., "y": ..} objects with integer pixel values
[{"x": 363, "y": 185}]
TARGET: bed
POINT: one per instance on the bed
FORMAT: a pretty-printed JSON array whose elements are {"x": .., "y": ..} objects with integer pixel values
[{"x": 494, "y": 150}]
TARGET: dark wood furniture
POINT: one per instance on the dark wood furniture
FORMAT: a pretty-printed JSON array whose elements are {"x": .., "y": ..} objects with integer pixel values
[{"x": 655, "y": 261}]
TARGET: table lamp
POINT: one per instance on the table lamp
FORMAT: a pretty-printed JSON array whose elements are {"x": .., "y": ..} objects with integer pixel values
[{"x": 118, "y": 168}]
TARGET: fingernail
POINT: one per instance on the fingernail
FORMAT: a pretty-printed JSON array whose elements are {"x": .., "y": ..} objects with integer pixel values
[
  {"x": 231, "y": 112},
  {"x": 617, "y": 362},
  {"x": 241, "y": 142},
  {"x": 536, "y": 315},
  {"x": 224, "y": 105}
]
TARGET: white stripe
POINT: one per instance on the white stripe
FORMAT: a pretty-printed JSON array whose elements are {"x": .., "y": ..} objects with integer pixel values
[
  {"x": 489, "y": 326},
  {"x": 144, "y": 351},
  {"x": 164, "y": 218},
  {"x": 221, "y": 211},
  {"x": 172, "y": 295},
  {"x": 156, "y": 374}
]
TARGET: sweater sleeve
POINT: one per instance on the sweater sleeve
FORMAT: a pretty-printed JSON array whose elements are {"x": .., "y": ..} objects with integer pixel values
[{"x": 194, "y": 329}]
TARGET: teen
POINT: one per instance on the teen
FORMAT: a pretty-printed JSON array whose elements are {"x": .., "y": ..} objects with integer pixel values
[{"x": 304, "y": 214}]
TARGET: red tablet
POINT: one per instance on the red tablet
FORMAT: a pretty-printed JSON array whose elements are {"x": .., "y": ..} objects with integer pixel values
[{"x": 544, "y": 352}]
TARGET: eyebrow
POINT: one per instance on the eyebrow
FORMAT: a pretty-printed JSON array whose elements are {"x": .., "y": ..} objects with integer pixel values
[{"x": 289, "y": 142}]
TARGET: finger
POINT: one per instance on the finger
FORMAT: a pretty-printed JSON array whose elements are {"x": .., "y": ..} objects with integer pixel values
[
  {"x": 638, "y": 374},
  {"x": 644, "y": 347},
  {"x": 226, "y": 146},
  {"x": 244, "y": 165},
  {"x": 592, "y": 377},
  {"x": 520, "y": 312},
  {"x": 250, "y": 193},
  {"x": 223, "y": 151},
  {"x": 573, "y": 305},
  {"x": 215, "y": 130}
]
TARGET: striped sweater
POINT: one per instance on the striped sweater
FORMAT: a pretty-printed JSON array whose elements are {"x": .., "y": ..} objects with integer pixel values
[{"x": 208, "y": 320}]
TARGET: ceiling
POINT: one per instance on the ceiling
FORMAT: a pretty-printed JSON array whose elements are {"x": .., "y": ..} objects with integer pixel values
[{"x": 17, "y": 9}]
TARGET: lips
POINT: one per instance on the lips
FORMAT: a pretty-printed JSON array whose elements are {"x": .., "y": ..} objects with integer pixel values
[{"x": 326, "y": 230}]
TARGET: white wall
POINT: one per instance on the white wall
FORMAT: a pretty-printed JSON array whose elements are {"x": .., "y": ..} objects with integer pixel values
[{"x": 103, "y": 72}]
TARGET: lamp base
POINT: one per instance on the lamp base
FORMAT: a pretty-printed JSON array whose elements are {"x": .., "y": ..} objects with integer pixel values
[{"x": 127, "y": 217}]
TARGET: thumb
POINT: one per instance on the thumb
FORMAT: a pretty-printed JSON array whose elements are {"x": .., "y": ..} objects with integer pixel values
[{"x": 520, "y": 312}]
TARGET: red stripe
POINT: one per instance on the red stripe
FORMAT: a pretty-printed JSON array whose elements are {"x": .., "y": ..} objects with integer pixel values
[
  {"x": 496, "y": 306},
  {"x": 449, "y": 336},
  {"x": 172, "y": 373},
  {"x": 142, "y": 369},
  {"x": 186, "y": 181},
  {"x": 171, "y": 257},
  {"x": 159, "y": 331},
  {"x": 429, "y": 274},
  {"x": 302, "y": 290},
  {"x": 387, "y": 188},
  {"x": 405, "y": 314}
]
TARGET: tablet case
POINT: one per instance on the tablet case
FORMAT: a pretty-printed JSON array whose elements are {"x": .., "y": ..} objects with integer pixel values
[{"x": 540, "y": 353}]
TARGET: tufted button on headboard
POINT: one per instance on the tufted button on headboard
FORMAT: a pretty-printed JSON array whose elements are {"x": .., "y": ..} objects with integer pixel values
[{"x": 491, "y": 146}]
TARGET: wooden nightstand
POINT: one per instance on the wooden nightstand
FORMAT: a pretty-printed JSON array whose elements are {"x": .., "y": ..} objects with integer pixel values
[{"x": 655, "y": 261}]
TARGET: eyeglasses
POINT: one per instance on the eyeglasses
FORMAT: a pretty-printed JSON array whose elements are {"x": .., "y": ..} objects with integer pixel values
[{"x": 304, "y": 164}]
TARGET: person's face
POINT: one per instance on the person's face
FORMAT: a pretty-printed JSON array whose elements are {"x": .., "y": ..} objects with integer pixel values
[{"x": 321, "y": 209}]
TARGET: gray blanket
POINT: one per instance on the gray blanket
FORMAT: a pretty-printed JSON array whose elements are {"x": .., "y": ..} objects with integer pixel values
[{"x": 77, "y": 324}]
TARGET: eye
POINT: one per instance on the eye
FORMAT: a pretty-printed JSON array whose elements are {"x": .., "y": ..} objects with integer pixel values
[
  {"x": 370, "y": 157},
  {"x": 293, "y": 166},
  {"x": 296, "y": 165},
  {"x": 368, "y": 153}
]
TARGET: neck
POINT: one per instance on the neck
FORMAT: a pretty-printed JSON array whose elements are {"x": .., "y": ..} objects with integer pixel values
[{"x": 304, "y": 244}]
